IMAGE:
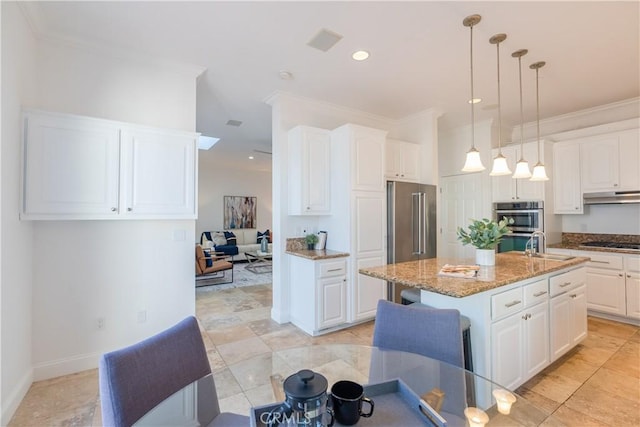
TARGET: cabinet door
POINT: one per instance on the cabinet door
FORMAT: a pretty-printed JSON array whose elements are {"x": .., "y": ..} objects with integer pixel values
[
  {"x": 629, "y": 154},
  {"x": 578, "y": 314},
  {"x": 599, "y": 160},
  {"x": 367, "y": 291},
  {"x": 567, "y": 192},
  {"x": 332, "y": 302},
  {"x": 531, "y": 190},
  {"x": 71, "y": 167},
  {"x": 536, "y": 339},
  {"x": 309, "y": 171},
  {"x": 411, "y": 162},
  {"x": 368, "y": 149},
  {"x": 606, "y": 291},
  {"x": 633, "y": 294},
  {"x": 507, "y": 346},
  {"x": 393, "y": 160},
  {"x": 560, "y": 314},
  {"x": 504, "y": 187},
  {"x": 159, "y": 174}
]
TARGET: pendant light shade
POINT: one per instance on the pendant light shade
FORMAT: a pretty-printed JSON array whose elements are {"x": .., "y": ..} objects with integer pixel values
[
  {"x": 522, "y": 167},
  {"x": 500, "y": 166},
  {"x": 539, "y": 171},
  {"x": 473, "y": 163}
]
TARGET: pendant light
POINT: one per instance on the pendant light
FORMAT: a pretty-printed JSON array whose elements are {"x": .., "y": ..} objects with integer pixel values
[
  {"x": 539, "y": 172},
  {"x": 473, "y": 163},
  {"x": 522, "y": 167},
  {"x": 500, "y": 166}
]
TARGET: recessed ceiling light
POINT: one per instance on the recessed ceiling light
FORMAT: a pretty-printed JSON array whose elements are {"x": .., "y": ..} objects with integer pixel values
[
  {"x": 235, "y": 123},
  {"x": 475, "y": 101},
  {"x": 360, "y": 55},
  {"x": 250, "y": 157}
]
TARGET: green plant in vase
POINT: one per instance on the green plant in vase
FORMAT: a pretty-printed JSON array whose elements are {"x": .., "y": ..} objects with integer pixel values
[
  {"x": 485, "y": 235},
  {"x": 311, "y": 240}
]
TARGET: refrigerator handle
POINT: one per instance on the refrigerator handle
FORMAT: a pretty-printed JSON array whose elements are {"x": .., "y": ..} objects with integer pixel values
[
  {"x": 416, "y": 224},
  {"x": 424, "y": 223}
]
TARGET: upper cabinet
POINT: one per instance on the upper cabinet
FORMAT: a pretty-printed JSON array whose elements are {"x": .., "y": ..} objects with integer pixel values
[
  {"x": 507, "y": 189},
  {"x": 85, "y": 168},
  {"x": 309, "y": 171},
  {"x": 610, "y": 162},
  {"x": 402, "y": 161},
  {"x": 567, "y": 194},
  {"x": 367, "y": 152}
]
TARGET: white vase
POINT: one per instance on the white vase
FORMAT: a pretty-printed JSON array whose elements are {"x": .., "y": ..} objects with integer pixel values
[{"x": 485, "y": 256}]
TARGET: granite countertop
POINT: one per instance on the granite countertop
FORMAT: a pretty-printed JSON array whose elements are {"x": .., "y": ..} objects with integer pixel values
[
  {"x": 574, "y": 241},
  {"x": 510, "y": 267},
  {"x": 317, "y": 255},
  {"x": 578, "y": 247}
]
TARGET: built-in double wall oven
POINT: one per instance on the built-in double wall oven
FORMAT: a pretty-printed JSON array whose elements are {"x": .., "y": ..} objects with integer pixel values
[{"x": 527, "y": 217}]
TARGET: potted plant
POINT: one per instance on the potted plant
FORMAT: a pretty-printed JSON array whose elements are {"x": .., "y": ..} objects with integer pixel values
[
  {"x": 311, "y": 240},
  {"x": 485, "y": 235}
]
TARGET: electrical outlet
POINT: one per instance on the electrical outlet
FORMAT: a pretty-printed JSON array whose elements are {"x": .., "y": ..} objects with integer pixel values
[{"x": 100, "y": 323}]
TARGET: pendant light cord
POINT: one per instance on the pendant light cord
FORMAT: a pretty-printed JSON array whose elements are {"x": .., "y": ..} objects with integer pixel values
[
  {"x": 521, "y": 112},
  {"x": 538, "y": 114},
  {"x": 499, "y": 104},
  {"x": 473, "y": 142}
]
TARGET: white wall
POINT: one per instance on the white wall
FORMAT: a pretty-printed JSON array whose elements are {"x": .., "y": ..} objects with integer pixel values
[
  {"x": 113, "y": 270},
  {"x": 215, "y": 180},
  {"x": 607, "y": 219},
  {"x": 16, "y": 249}
]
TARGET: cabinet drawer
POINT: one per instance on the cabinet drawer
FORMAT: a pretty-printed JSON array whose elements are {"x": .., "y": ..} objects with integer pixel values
[
  {"x": 632, "y": 263},
  {"x": 565, "y": 281},
  {"x": 536, "y": 292},
  {"x": 613, "y": 262},
  {"x": 506, "y": 303},
  {"x": 334, "y": 268}
]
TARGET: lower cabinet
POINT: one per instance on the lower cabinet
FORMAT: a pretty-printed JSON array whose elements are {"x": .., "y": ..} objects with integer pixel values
[
  {"x": 520, "y": 342},
  {"x": 568, "y": 313},
  {"x": 318, "y": 293}
]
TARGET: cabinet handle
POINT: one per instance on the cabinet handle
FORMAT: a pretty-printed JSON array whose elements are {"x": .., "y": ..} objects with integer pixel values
[
  {"x": 308, "y": 208},
  {"x": 524, "y": 317},
  {"x": 113, "y": 209},
  {"x": 512, "y": 303},
  {"x": 539, "y": 294},
  {"x": 600, "y": 262},
  {"x": 620, "y": 275},
  {"x": 565, "y": 284},
  {"x": 334, "y": 269},
  {"x": 629, "y": 276},
  {"x": 577, "y": 208},
  {"x": 129, "y": 209},
  {"x": 615, "y": 185},
  {"x": 573, "y": 295}
]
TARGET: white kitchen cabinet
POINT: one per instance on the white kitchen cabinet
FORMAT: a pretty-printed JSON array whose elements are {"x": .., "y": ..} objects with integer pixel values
[
  {"x": 507, "y": 189},
  {"x": 359, "y": 194},
  {"x": 86, "y": 168},
  {"x": 567, "y": 191},
  {"x": 309, "y": 171},
  {"x": 632, "y": 283},
  {"x": 610, "y": 162},
  {"x": 567, "y": 311},
  {"x": 318, "y": 293},
  {"x": 520, "y": 342},
  {"x": 402, "y": 162}
]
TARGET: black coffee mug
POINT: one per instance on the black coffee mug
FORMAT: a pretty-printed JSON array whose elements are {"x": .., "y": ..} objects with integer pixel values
[{"x": 346, "y": 402}]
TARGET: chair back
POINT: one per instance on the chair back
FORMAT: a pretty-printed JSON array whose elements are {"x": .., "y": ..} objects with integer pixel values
[
  {"x": 137, "y": 378},
  {"x": 430, "y": 332}
]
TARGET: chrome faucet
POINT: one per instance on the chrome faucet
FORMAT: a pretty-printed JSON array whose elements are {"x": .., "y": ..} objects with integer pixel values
[{"x": 542, "y": 244}]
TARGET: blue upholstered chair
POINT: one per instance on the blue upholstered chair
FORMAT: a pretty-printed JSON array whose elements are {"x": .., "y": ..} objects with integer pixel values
[
  {"x": 135, "y": 379},
  {"x": 431, "y": 332}
]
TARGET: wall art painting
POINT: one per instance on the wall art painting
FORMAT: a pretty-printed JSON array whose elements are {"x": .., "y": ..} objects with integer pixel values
[{"x": 240, "y": 212}]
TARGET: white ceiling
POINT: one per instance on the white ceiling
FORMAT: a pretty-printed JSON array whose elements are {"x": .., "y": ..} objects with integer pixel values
[{"x": 419, "y": 55}]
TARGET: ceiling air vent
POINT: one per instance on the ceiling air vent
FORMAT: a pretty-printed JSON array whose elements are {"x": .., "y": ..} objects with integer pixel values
[
  {"x": 324, "y": 40},
  {"x": 235, "y": 123}
]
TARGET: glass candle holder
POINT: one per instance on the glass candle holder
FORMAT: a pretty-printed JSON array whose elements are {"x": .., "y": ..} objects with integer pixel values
[
  {"x": 504, "y": 399},
  {"x": 476, "y": 417}
]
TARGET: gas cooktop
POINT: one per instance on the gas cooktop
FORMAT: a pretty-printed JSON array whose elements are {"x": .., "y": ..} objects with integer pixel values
[{"x": 613, "y": 245}]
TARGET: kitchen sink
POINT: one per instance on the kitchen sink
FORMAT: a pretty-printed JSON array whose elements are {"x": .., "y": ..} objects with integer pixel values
[{"x": 553, "y": 257}]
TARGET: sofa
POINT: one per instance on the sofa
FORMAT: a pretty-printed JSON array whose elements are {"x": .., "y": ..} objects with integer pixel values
[{"x": 235, "y": 242}]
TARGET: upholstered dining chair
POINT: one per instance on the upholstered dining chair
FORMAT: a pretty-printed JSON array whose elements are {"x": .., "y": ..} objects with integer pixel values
[
  {"x": 213, "y": 266},
  {"x": 135, "y": 379},
  {"x": 430, "y": 332}
]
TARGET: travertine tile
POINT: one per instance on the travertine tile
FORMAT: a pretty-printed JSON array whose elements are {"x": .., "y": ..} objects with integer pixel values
[
  {"x": 604, "y": 342},
  {"x": 538, "y": 400},
  {"x": 287, "y": 338},
  {"x": 556, "y": 387},
  {"x": 611, "y": 328},
  {"x": 616, "y": 383},
  {"x": 231, "y": 334},
  {"x": 565, "y": 416},
  {"x": 605, "y": 407},
  {"x": 226, "y": 384},
  {"x": 242, "y": 350},
  {"x": 626, "y": 360},
  {"x": 238, "y": 404},
  {"x": 575, "y": 368}
]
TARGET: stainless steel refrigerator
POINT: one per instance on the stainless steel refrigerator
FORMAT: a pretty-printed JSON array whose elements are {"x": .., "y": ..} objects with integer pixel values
[{"x": 411, "y": 226}]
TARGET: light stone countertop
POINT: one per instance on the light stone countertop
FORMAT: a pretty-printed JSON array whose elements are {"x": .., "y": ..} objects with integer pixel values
[
  {"x": 317, "y": 255},
  {"x": 510, "y": 267}
]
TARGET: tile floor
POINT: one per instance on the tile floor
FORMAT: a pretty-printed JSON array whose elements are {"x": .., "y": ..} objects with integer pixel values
[{"x": 596, "y": 384}]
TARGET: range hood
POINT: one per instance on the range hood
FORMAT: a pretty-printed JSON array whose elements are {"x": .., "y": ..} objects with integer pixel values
[{"x": 611, "y": 197}]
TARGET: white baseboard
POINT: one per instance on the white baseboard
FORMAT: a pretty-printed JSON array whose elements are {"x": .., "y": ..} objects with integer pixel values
[
  {"x": 10, "y": 404},
  {"x": 70, "y": 365}
]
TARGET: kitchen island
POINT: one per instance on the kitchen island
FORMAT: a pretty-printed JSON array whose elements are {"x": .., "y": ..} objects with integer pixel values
[{"x": 525, "y": 312}]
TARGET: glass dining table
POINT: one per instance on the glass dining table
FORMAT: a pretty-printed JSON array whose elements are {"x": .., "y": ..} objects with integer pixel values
[{"x": 438, "y": 393}]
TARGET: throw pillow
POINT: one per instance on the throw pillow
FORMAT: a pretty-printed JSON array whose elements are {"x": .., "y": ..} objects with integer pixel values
[
  {"x": 264, "y": 235},
  {"x": 218, "y": 238},
  {"x": 208, "y": 259},
  {"x": 231, "y": 238}
]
